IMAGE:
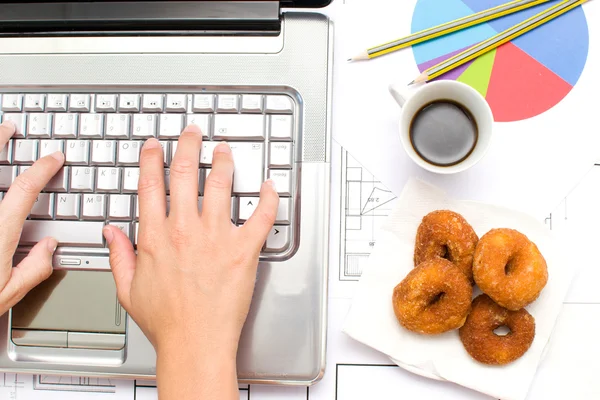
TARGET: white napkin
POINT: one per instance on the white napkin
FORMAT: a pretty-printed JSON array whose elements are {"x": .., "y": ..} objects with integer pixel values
[{"x": 371, "y": 318}]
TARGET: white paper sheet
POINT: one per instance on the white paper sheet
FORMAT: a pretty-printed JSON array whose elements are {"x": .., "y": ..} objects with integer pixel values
[{"x": 372, "y": 321}]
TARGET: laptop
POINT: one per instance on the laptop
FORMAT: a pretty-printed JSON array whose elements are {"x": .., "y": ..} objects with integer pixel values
[{"x": 96, "y": 79}]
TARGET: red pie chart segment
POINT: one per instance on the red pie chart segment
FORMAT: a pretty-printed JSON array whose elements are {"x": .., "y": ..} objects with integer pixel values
[{"x": 538, "y": 88}]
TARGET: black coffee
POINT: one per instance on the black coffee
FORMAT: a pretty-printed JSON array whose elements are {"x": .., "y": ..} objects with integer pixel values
[{"x": 443, "y": 133}]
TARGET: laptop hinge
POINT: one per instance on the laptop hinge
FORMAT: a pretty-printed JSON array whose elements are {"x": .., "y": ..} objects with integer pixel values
[{"x": 140, "y": 17}]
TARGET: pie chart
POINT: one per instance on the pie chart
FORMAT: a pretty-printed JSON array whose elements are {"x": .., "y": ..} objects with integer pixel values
[{"x": 520, "y": 79}]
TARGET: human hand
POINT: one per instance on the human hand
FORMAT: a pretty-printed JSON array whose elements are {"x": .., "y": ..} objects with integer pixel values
[
  {"x": 190, "y": 286},
  {"x": 17, "y": 281}
]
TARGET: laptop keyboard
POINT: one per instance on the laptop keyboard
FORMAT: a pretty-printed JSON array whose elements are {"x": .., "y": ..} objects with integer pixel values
[{"x": 101, "y": 135}]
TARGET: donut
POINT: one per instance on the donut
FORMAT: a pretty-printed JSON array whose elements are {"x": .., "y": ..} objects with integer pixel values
[
  {"x": 448, "y": 235},
  {"x": 509, "y": 268},
  {"x": 433, "y": 298},
  {"x": 484, "y": 345}
]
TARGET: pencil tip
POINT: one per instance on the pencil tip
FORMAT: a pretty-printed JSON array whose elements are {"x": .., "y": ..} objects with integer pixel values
[
  {"x": 349, "y": 59},
  {"x": 412, "y": 83}
]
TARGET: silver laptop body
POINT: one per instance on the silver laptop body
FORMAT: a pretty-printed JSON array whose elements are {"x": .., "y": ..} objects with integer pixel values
[{"x": 95, "y": 80}]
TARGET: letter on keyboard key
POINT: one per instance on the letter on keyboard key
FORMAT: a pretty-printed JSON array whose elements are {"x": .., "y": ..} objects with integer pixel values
[
  {"x": 144, "y": 125},
  {"x": 119, "y": 208},
  {"x": 77, "y": 152},
  {"x": 43, "y": 208},
  {"x": 59, "y": 182},
  {"x": 108, "y": 179},
  {"x": 280, "y": 155},
  {"x": 117, "y": 126},
  {"x": 39, "y": 125},
  {"x": 94, "y": 207},
  {"x": 246, "y": 207},
  {"x": 82, "y": 179},
  {"x": 202, "y": 121},
  {"x": 171, "y": 126},
  {"x": 65, "y": 126},
  {"x": 278, "y": 239},
  {"x": 26, "y": 151},
  {"x": 20, "y": 123},
  {"x": 131, "y": 176},
  {"x": 7, "y": 176},
  {"x": 239, "y": 127},
  {"x": 68, "y": 233},
  {"x": 48, "y": 147},
  {"x": 6, "y": 153},
  {"x": 67, "y": 206},
  {"x": 104, "y": 152},
  {"x": 90, "y": 126},
  {"x": 129, "y": 152},
  {"x": 248, "y": 160}
]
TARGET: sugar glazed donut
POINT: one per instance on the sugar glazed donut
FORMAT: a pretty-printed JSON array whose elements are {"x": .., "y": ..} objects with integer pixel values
[
  {"x": 484, "y": 345},
  {"x": 509, "y": 268},
  {"x": 435, "y": 297},
  {"x": 448, "y": 235}
]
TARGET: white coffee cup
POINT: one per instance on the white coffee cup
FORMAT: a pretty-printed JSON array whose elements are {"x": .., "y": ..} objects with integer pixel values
[{"x": 413, "y": 100}]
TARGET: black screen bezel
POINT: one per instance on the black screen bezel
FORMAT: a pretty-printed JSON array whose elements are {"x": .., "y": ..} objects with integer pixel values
[{"x": 284, "y": 3}]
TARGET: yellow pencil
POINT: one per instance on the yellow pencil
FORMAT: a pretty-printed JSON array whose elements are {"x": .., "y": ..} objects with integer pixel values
[
  {"x": 498, "y": 40},
  {"x": 449, "y": 27}
]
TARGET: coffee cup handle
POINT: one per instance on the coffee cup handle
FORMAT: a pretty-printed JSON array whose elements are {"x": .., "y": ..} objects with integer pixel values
[{"x": 399, "y": 93}]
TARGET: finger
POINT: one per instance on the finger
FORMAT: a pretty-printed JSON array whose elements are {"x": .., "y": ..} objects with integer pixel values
[
  {"x": 21, "y": 197},
  {"x": 122, "y": 263},
  {"x": 184, "y": 174},
  {"x": 7, "y": 130},
  {"x": 33, "y": 270},
  {"x": 258, "y": 226},
  {"x": 217, "y": 188},
  {"x": 151, "y": 186}
]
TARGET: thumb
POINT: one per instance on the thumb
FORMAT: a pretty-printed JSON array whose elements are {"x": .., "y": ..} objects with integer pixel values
[
  {"x": 122, "y": 262},
  {"x": 31, "y": 271}
]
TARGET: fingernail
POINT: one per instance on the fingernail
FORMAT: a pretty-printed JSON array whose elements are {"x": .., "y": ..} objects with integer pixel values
[
  {"x": 193, "y": 128},
  {"x": 9, "y": 124},
  {"x": 223, "y": 147},
  {"x": 57, "y": 155},
  {"x": 52, "y": 244},
  {"x": 151, "y": 144},
  {"x": 271, "y": 183},
  {"x": 108, "y": 235}
]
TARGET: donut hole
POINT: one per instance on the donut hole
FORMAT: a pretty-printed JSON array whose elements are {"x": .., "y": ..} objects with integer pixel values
[
  {"x": 508, "y": 268},
  {"x": 436, "y": 299},
  {"x": 445, "y": 253},
  {"x": 502, "y": 330}
]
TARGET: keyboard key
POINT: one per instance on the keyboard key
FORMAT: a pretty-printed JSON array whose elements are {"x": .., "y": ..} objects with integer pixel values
[
  {"x": 48, "y": 147},
  {"x": 68, "y": 233},
  {"x": 104, "y": 152},
  {"x": 34, "y": 102},
  {"x": 176, "y": 103},
  {"x": 171, "y": 126},
  {"x": 106, "y": 103},
  {"x": 67, "y": 206},
  {"x": 39, "y": 125},
  {"x": 20, "y": 123},
  {"x": 6, "y": 153},
  {"x": 80, "y": 103},
  {"x": 239, "y": 127},
  {"x": 280, "y": 155},
  {"x": 166, "y": 151},
  {"x": 152, "y": 103},
  {"x": 26, "y": 151},
  {"x": 278, "y": 239},
  {"x": 279, "y": 104},
  {"x": 77, "y": 152},
  {"x": 228, "y": 103},
  {"x": 280, "y": 128},
  {"x": 129, "y": 103},
  {"x": 82, "y": 179},
  {"x": 22, "y": 169},
  {"x": 252, "y": 103},
  {"x": 167, "y": 180},
  {"x": 144, "y": 125},
  {"x": 57, "y": 102},
  {"x": 174, "y": 150},
  {"x": 203, "y": 103},
  {"x": 65, "y": 126},
  {"x": 90, "y": 126},
  {"x": 108, "y": 179},
  {"x": 283, "y": 181},
  {"x": 284, "y": 212},
  {"x": 124, "y": 227},
  {"x": 129, "y": 152},
  {"x": 248, "y": 159},
  {"x": 12, "y": 102},
  {"x": 202, "y": 121},
  {"x": 131, "y": 176},
  {"x": 206, "y": 154},
  {"x": 94, "y": 207},
  {"x": 120, "y": 207},
  {"x": 246, "y": 207},
  {"x": 43, "y": 208},
  {"x": 117, "y": 126},
  {"x": 7, "y": 176},
  {"x": 60, "y": 181}
]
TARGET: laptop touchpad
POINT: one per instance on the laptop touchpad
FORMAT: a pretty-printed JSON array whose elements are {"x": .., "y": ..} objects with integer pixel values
[{"x": 77, "y": 309}]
